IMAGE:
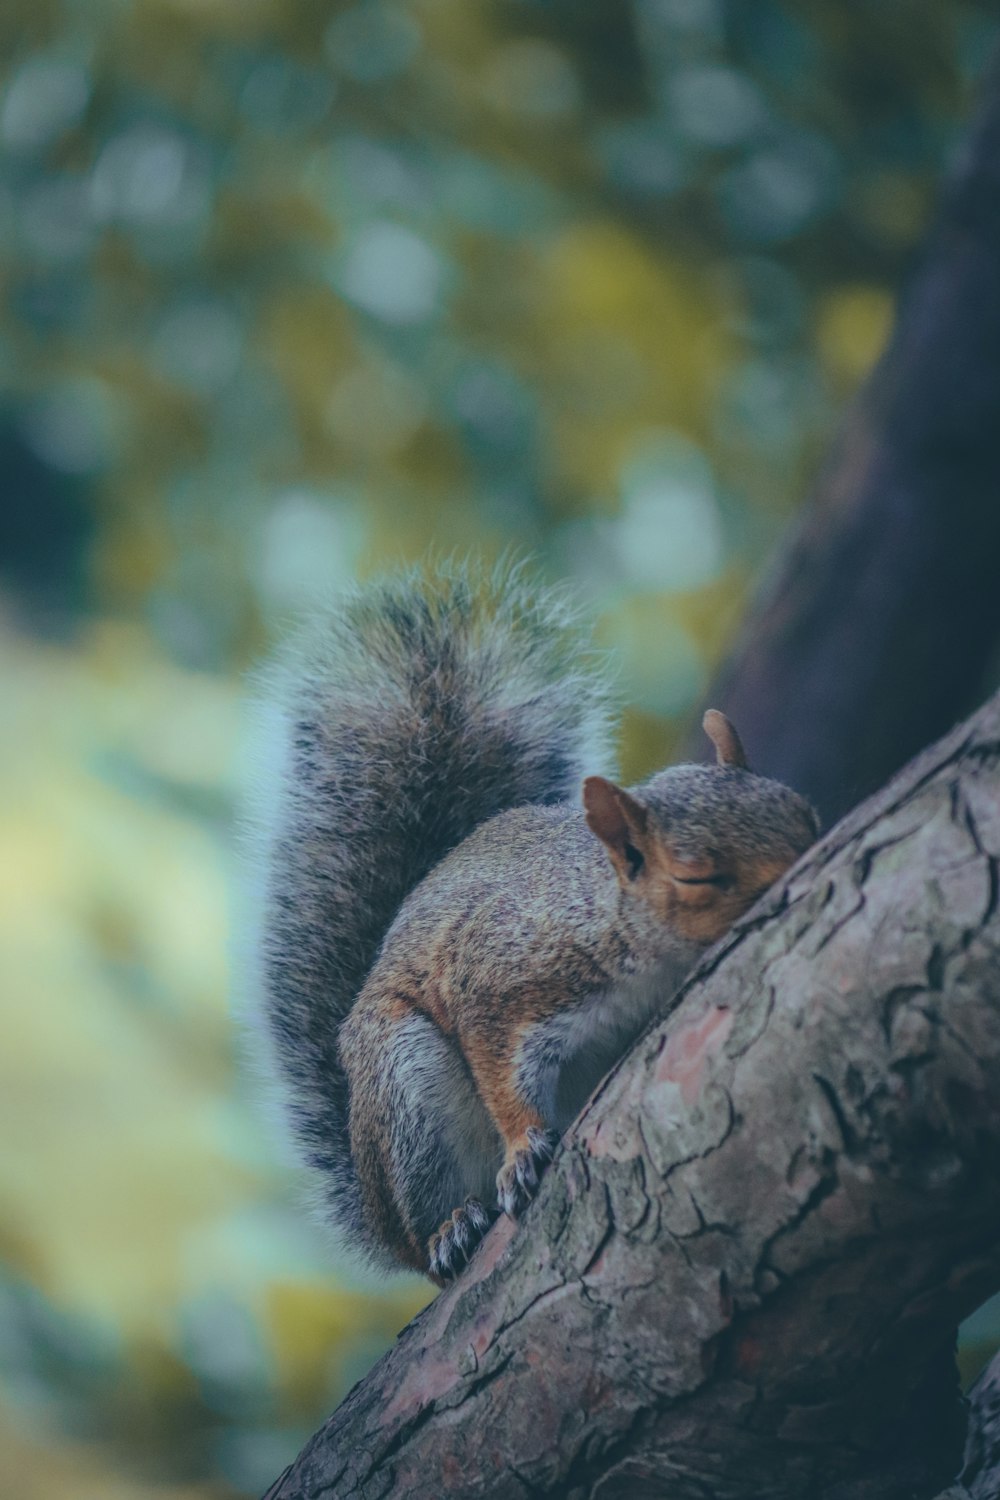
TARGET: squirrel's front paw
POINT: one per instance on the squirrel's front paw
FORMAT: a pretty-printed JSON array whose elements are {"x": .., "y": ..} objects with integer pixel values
[
  {"x": 517, "y": 1180},
  {"x": 449, "y": 1249}
]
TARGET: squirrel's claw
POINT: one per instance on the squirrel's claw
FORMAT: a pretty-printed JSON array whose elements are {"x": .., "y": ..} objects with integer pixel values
[
  {"x": 449, "y": 1250},
  {"x": 517, "y": 1180}
]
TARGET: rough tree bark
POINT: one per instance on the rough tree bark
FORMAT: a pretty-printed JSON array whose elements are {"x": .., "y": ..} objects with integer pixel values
[
  {"x": 881, "y": 621},
  {"x": 744, "y": 1263}
]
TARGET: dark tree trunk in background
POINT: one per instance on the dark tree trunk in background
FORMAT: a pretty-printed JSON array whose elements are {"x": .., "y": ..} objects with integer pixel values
[
  {"x": 880, "y": 625},
  {"x": 745, "y": 1262},
  {"x": 744, "y": 1271}
]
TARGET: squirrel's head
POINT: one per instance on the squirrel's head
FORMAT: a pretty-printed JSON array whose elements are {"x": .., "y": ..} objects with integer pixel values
[{"x": 696, "y": 845}]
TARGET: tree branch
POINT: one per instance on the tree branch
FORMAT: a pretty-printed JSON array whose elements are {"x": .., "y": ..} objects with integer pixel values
[{"x": 744, "y": 1265}]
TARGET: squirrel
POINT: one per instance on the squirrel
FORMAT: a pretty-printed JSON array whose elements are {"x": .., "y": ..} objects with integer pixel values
[{"x": 454, "y": 947}]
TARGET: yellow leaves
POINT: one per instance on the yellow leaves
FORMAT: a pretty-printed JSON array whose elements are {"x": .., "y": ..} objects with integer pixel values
[
  {"x": 851, "y": 331},
  {"x": 182, "y": 725},
  {"x": 603, "y": 275},
  {"x": 207, "y": 18},
  {"x": 131, "y": 558},
  {"x": 113, "y": 940},
  {"x": 307, "y": 334},
  {"x": 32, "y": 1469},
  {"x": 625, "y": 330},
  {"x": 532, "y": 80},
  {"x": 109, "y": 1155},
  {"x": 456, "y": 33},
  {"x": 310, "y": 1323},
  {"x": 667, "y": 644},
  {"x": 250, "y": 225},
  {"x": 712, "y": 613},
  {"x": 123, "y": 871},
  {"x": 376, "y": 407}
]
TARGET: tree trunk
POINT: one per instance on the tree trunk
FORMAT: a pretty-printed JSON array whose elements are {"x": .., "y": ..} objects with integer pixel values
[
  {"x": 744, "y": 1270},
  {"x": 880, "y": 626}
]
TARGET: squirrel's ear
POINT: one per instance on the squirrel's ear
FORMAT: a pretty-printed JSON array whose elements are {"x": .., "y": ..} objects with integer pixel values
[
  {"x": 619, "y": 821},
  {"x": 728, "y": 746}
]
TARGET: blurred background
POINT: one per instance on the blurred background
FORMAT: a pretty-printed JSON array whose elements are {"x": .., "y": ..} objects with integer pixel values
[{"x": 291, "y": 292}]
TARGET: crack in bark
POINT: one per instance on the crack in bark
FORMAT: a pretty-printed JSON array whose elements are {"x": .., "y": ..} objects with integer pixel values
[
  {"x": 714, "y": 1145},
  {"x": 827, "y": 1184},
  {"x": 848, "y": 1135}
]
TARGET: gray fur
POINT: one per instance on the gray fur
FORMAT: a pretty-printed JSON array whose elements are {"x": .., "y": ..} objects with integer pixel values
[
  {"x": 564, "y": 1057},
  {"x": 443, "y": 1144}
]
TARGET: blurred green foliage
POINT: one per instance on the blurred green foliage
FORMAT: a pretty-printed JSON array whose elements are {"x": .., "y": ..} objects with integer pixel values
[{"x": 292, "y": 291}]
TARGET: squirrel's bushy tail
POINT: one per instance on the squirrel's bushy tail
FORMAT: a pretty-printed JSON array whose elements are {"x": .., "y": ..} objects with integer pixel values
[{"x": 423, "y": 706}]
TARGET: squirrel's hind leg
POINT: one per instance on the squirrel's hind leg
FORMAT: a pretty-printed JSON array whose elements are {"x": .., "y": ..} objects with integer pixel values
[{"x": 419, "y": 1124}]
